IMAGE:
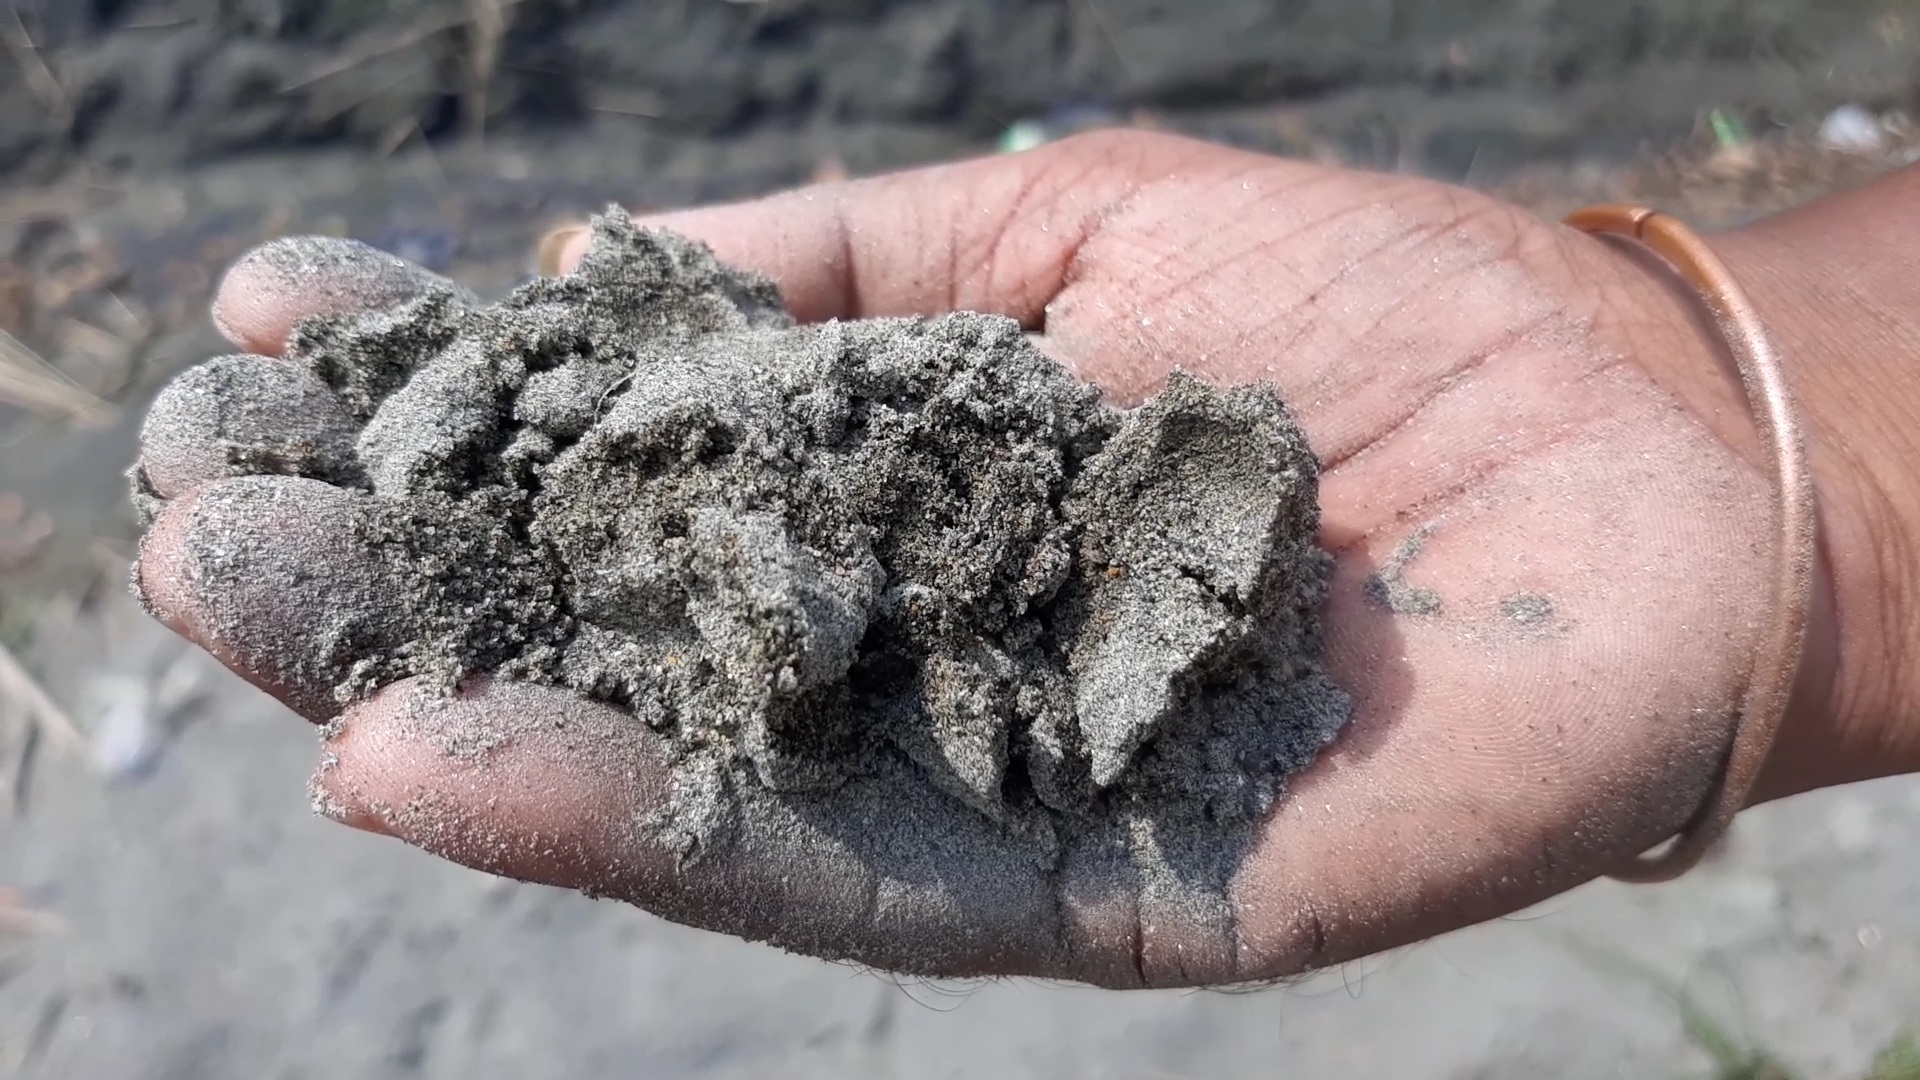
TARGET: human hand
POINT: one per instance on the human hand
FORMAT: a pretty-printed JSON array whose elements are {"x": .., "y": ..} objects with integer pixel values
[{"x": 1550, "y": 529}]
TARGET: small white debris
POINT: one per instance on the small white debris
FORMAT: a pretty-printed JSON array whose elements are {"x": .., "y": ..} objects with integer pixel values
[
  {"x": 1852, "y": 826},
  {"x": 179, "y": 684},
  {"x": 135, "y": 715},
  {"x": 1024, "y": 135},
  {"x": 126, "y": 737},
  {"x": 1743, "y": 900},
  {"x": 510, "y": 166},
  {"x": 1853, "y": 129}
]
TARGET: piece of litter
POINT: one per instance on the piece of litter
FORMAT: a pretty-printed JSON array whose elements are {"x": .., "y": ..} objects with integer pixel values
[
  {"x": 1023, "y": 135},
  {"x": 1853, "y": 129},
  {"x": 126, "y": 739},
  {"x": 135, "y": 715},
  {"x": 1728, "y": 131}
]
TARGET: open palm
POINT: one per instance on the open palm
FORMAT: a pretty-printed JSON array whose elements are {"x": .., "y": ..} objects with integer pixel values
[{"x": 1549, "y": 568}]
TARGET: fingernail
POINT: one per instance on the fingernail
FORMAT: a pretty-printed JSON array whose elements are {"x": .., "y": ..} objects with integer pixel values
[
  {"x": 264, "y": 295},
  {"x": 259, "y": 570},
  {"x": 327, "y": 805},
  {"x": 366, "y": 823},
  {"x": 245, "y": 408},
  {"x": 554, "y": 245}
]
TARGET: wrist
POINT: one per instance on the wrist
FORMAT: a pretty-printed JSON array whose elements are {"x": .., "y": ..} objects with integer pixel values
[
  {"x": 1841, "y": 298},
  {"x": 1837, "y": 302}
]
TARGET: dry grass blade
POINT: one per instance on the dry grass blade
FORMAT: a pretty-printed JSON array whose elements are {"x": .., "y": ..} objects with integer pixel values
[
  {"x": 18, "y": 738},
  {"x": 624, "y": 102},
  {"x": 376, "y": 45},
  {"x": 17, "y": 920},
  {"x": 32, "y": 383},
  {"x": 20, "y": 742},
  {"x": 17, "y": 684},
  {"x": 489, "y": 20},
  {"x": 379, "y": 47},
  {"x": 39, "y": 78}
]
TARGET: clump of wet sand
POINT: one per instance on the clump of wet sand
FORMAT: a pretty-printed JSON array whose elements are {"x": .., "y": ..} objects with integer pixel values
[{"x": 808, "y": 554}]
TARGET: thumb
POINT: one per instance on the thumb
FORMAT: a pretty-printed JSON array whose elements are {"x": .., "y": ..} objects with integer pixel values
[
  {"x": 534, "y": 783},
  {"x": 998, "y": 234},
  {"x": 509, "y": 778}
]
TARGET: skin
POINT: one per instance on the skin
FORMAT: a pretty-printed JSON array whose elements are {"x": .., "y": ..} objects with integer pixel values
[{"x": 1546, "y": 409}]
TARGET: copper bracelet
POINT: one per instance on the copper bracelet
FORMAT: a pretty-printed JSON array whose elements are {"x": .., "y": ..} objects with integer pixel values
[{"x": 1777, "y": 665}]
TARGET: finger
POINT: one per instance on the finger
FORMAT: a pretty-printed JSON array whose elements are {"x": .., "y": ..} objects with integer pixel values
[
  {"x": 997, "y": 235},
  {"x": 276, "y": 285},
  {"x": 515, "y": 779},
  {"x": 538, "y": 784},
  {"x": 266, "y": 573},
  {"x": 241, "y": 415}
]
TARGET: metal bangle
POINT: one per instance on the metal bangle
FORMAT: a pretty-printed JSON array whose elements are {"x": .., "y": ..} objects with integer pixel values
[{"x": 1777, "y": 664}]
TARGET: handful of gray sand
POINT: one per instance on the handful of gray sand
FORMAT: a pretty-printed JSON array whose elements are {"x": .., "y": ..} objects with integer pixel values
[{"x": 808, "y": 554}]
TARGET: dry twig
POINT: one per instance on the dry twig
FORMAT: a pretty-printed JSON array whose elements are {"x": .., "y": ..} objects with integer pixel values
[
  {"x": 18, "y": 685},
  {"x": 23, "y": 535}
]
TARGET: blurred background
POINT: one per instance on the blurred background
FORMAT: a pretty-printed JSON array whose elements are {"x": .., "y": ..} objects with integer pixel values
[{"x": 168, "y": 907}]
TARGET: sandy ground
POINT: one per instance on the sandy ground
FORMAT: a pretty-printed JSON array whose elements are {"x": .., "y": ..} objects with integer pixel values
[
  {"x": 175, "y": 912},
  {"x": 209, "y": 927}
]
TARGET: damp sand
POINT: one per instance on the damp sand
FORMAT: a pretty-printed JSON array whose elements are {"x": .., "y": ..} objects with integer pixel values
[{"x": 806, "y": 556}]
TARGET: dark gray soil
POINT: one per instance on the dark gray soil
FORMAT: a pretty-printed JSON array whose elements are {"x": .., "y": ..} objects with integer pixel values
[
  {"x": 807, "y": 553},
  {"x": 1443, "y": 86}
]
